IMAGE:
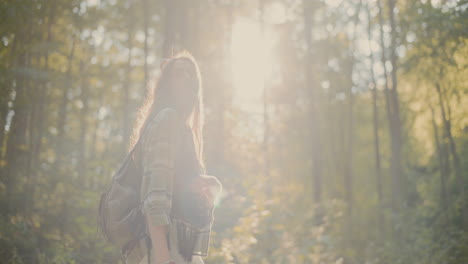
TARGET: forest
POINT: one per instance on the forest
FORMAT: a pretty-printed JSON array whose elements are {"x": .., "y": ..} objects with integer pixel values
[{"x": 339, "y": 128}]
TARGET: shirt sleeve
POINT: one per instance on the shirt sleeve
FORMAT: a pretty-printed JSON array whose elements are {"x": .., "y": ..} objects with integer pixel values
[{"x": 159, "y": 148}]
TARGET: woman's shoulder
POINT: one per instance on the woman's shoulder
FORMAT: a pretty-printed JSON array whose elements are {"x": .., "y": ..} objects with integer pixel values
[{"x": 165, "y": 126}]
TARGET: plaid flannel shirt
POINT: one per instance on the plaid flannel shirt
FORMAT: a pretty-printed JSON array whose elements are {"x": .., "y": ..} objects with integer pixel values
[{"x": 160, "y": 142}]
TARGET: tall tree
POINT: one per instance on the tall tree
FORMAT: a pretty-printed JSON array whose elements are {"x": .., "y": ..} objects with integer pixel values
[
  {"x": 395, "y": 121},
  {"x": 442, "y": 164},
  {"x": 314, "y": 92},
  {"x": 16, "y": 156},
  {"x": 128, "y": 75},
  {"x": 266, "y": 128},
  {"x": 146, "y": 20},
  {"x": 375, "y": 126},
  {"x": 63, "y": 110}
]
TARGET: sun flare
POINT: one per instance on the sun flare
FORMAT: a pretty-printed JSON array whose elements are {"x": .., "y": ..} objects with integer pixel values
[{"x": 252, "y": 59}]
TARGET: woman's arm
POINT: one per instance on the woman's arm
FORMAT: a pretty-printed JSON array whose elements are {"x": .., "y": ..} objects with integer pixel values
[
  {"x": 159, "y": 154},
  {"x": 160, "y": 249}
]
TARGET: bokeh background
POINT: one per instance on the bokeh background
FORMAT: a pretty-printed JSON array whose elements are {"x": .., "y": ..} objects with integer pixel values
[{"x": 338, "y": 128}]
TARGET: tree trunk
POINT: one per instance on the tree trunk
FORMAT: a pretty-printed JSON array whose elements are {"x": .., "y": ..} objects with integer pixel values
[
  {"x": 266, "y": 132},
  {"x": 16, "y": 156},
  {"x": 315, "y": 100},
  {"x": 126, "y": 87},
  {"x": 442, "y": 165},
  {"x": 395, "y": 116},
  {"x": 94, "y": 138},
  {"x": 390, "y": 111},
  {"x": 84, "y": 97},
  {"x": 447, "y": 124},
  {"x": 145, "y": 48},
  {"x": 41, "y": 115},
  {"x": 62, "y": 117},
  {"x": 169, "y": 28},
  {"x": 348, "y": 174},
  {"x": 375, "y": 115}
]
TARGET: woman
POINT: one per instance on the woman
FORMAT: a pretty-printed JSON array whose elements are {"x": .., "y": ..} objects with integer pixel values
[{"x": 176, "y": 193}]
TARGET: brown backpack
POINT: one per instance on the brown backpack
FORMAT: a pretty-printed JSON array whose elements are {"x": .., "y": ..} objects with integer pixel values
[{"x": 120, "y": 217}]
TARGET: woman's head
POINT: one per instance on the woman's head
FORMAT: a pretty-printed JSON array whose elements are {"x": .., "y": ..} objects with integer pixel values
[
  {"x": 178, "y": 86},
  {"x": 182, "y": 84}
]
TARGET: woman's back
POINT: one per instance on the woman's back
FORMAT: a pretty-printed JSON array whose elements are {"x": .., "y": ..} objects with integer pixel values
[{"x": 170, "y": 165}]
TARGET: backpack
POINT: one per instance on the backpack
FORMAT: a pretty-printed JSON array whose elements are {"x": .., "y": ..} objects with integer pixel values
[{"x": 120, "y": 218}]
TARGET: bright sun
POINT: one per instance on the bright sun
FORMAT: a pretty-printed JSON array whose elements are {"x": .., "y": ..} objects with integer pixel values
[{"x": 252, "y": 59}]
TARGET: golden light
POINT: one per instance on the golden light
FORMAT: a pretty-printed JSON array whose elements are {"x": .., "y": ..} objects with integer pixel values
[{"x": 252, "y": 60}]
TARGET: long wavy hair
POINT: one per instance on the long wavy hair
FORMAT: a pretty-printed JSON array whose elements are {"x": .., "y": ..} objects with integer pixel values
[{"x": 158, "y": 97}]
